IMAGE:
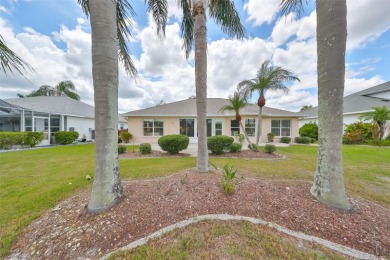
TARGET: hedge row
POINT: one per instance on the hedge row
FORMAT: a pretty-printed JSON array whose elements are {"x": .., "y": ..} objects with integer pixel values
[
  {"x": 8, "y": 139},
  {"x": 64, "y": 137}
]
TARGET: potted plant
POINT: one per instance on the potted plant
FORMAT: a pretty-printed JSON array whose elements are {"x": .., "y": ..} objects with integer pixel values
[{"x": 270, "y": 137}]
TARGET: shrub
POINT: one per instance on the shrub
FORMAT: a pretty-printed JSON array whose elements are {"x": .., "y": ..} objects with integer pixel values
[
  {"x": 32, "y": 138},
  {"x": 269, "y": 148},
  {"x": 309, "y": 130},
  {"x": 219, "y": 144},
  {"x": 229, "y": 173},
  {"x": 302, "y": 140},
  {"x": 235, "y": 148},
  {"x": 270, "y": 137},
  {"x": 253, "y": 147},
  {"x": 145, "y": 148},
  {"x": 126, "y": 136},
  {"x": 240, "y": 138},
  {"x": 285, "y": 140},
  {"x": 173, "y": 143},
  {"x": 385, "y": 142},
  {"x": 357, "y": 133},
  {"x": 312, "y": 140},
  {"x": 121, "y": 149},
  {"x": 64, "y": 137}
]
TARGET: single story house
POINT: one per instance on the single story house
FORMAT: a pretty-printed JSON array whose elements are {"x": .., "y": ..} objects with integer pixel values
[
  {"x": 355, "y": 104},
  {"x": 49, "y": 114},
  {"x": 149, "y": 124}
]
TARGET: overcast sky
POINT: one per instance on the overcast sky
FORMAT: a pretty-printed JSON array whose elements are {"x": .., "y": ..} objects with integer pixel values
[{"x": 54, "y": 37}]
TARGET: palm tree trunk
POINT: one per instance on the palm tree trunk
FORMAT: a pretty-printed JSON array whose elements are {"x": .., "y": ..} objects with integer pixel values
[
  {"x": 200, "y": 31},
  {"x": 328, "y": 186},
  {"x": 259, "y": 125},
  {"x": 246, "y": 136},
  {"x": 107, "y": 188}
]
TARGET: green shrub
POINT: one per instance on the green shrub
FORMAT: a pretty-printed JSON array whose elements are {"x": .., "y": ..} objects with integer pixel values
[
  {"x": 309, "y": 130},
  {"x": 145, "y": 148},
  {"x": 270, "y": 137},
  {"x": 302, "y": 140},
  {"x": 312, "y": 140},
  {"x": 32, "y": 138},
  {"x": 240, "y": 138},
  {"x": 285, "y": 140},
  {"x": 385, "y": 142},
  {"x": 126, "y": 136},
  {"x": 121, "y": 149},
  {"x": 357, "y": 133},
  {"x": 253, "y": 147},
  {"x": 64, "y": 137},
  {"x": 229, "y": 173},
  {"x": 235, "y": 148},
  {"x": 269, "y": 148},
  {"x": 173, "y": 143},
  {"x": 219, "y": 144}
]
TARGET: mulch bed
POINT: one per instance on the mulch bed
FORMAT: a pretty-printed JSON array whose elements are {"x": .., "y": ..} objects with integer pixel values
[
  {"x": 68, "y": 232},
  {"x": 242, "y": 154}
]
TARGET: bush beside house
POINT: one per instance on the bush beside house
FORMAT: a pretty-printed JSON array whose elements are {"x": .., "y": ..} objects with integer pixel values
[
  {"x": 64, "y": 137},
  {"x": 219, "y": 144},
  {"x": 9, "y": 139},
  {"x": 173, "y": 143}
]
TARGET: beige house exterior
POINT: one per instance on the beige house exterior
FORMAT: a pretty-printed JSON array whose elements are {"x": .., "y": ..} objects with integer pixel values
[{"x": 148, "y": 125}]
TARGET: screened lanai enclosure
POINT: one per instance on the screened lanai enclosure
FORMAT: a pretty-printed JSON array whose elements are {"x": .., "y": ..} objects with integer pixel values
[{"x": 18, "y": 119}]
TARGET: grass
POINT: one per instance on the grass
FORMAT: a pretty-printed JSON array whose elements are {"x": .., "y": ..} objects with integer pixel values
[
  {"x": 33, "y": 181},
  {"x": 227, "y": 240}
]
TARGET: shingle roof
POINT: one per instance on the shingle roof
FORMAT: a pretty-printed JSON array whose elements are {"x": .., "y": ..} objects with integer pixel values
[
  {"x": 187, "y": 107},
  {"x": 55, "y": 105},
  {"x": 7, "y": 105},
  {"x": 359, "y": 101}
]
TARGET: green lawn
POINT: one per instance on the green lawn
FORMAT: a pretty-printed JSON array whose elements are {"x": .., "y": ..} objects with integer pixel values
[{"x": 33, "y": 181}]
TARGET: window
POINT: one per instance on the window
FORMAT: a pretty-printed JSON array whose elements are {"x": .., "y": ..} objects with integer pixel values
[
  {"x": 250, "y": 126},
  {"x": 187, "y": 127},
  {"x": 71, "y": 129},
  {"x": 234, "y": 127},
  {"x": 281, "y": 127},
  {"x": 153, "y": 127}
]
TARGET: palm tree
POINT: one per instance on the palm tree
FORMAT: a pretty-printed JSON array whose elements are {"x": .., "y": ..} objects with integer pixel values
[
  {"x": 306, "y": 107},
  {"x": 9, "y": 61},
  {"x": 44, "y": 90},
  {"x": 268, "y": 77},
  {"x": 109, "y": 27},
  {"x": 328, "y": 186},
  {"x": 379, "y": 118},
  {"x": 236, "y": 102},
  {"x": 64, "y": 88},
  {"x": 194, "y": 30}
]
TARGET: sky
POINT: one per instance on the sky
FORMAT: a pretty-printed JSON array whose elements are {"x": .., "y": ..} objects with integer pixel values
[{"x": 53, "y": 36}]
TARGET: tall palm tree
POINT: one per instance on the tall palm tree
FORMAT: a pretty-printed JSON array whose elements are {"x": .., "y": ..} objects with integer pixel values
[
  {"x": 9, "y": 61},
  {"x": 328, "y": 186},
  {"x": 379, "y": 118},
  {"x": 236, "y": 103},
  {"x": 194, "y": 30},
  {"x": 44, "y": 90},
  {"x": 268, "y": 77},
  {"x": 109, "y": 27}
]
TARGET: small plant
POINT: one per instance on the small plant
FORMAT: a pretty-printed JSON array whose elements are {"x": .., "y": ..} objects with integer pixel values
[
  {"x": 121, "y": 149},
  {"x": 173, "y": 143},
  {"x": 229, "y": 173},
  {"x": 235, "y": 148},
  {"x": 285, "y": 140},
  {"x": 126, "y": 136},
  {"x": 219, "y": 144},
  {"x": 64, "y": 137},
  {"x": 269, "y": 148},
  {"x": 240, "y": 138},
  {"x": 145, "y": 148},
  {"x": 302, "y": 140},
  {"x": 312, "y": 140},
  {"x": 270, "y": 137},
  {"x": 253, "y": 147}
]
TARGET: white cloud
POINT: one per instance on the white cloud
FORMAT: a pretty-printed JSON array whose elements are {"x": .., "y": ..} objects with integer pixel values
[
  {"x": 4, "y": 10},
  {"x": 260, "y": 12},
  {"x": 353, "y": 85}
]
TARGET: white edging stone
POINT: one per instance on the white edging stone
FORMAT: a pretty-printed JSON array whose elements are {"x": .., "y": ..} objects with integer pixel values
[{"x": 334, "y": 246}]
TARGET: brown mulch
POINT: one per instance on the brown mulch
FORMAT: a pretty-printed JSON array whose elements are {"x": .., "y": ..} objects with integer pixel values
[
  {"x": 243, "y": 154},
  {"x": 68, "y": 232}
]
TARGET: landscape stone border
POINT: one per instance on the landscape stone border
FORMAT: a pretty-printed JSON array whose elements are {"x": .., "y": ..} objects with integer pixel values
[{"x": 225, "y": 217}]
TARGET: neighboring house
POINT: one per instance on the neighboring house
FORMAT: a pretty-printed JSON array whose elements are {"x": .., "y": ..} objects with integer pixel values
[
  {"x": 148, "y": 125},
  {"x": 355, "y": 104},
  {"x": 49, "y": 114},
  {"x": 122, "y": 122}
]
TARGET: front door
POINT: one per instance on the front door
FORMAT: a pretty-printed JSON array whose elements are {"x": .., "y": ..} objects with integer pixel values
[
  {"x": 188, "y": 128},
  {"x": 41, "y": 124}
]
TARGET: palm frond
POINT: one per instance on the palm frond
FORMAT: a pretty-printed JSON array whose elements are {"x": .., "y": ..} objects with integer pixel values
[
  {"x": 226, "y": 15},
  {"x": 72, "y": 94},
  {"x": 159, "y": 10},
  {"x": 10, "y": 61},
  {"x": 84, "y": 6},
  {"x": 289, "y": 6},
  {"x": 187, "y": 26}
]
